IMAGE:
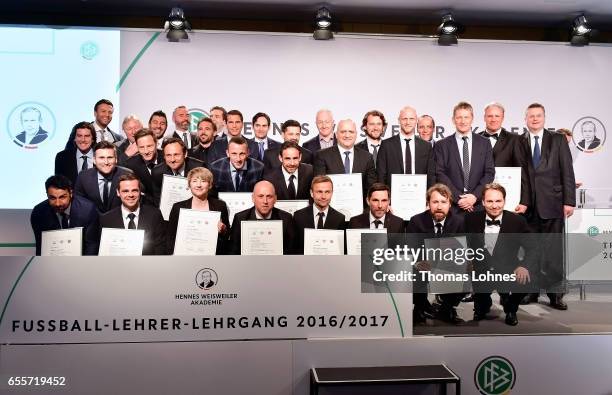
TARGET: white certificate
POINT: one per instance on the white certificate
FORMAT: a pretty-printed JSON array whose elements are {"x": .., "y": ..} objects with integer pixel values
[
  {"x": 348, "y": 194},
  {"x": 323, "y": 242},
  {"x": 291, "y": 206},
  {"x": 174, "y": 189},
  {"x": 121, "y": 242},
  {"x": 510, "y": 178},
  {"x": 197, "y": 232},
  {"x": 62, "y": 242},
  {"x": 261, "y": 237},
  {"x": 236, "y": 202},
  {"x": 353, "y": 239},
  {"x": 408, "y": 194}
]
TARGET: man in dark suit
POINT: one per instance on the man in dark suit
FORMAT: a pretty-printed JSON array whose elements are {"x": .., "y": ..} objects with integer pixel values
[
  {"x": 261, "y": 142},
  {"x": 127, "y": 148},
  {"x": 553, "y": 197},
  {"x": 71, "y": 161},
  {"x": 590, "y": 141},
  {"x": 436, "y": 221},
  {"x": 500, "y": 234},
  {"x": 176, "y": 163},
  {"x": 291, "y": 130},
  {"x": 208, "y": 149},
  {"x": 142, "y": 164},
  {"x": 133, "y": 215},
  {"x": 236, "y": 172},
  {"x": 32, "y": 133},
  {"x": 426, "y": 127},
  {"x": 378, "y": 215},
  {"x": 325, "y": 138},
  {"x": 158, "y": 123},
  {"x": 319, "y": 214},
  {"x": 291, "y": 179},
  {"x": 264, "y": 198},
  {"x": 404, "y": 153},
  {"x": 344, "y": 158},
  {"x": 374, "y": 125},
  {"x": 234, "y": 122},
  {"x": 207, "y": 281},
  {"x": 97, "y": 184},
  {"x": 63, "y": 210},
  {"x": 464, "y": 161},
  {"x": 507, "y": 150},
  {"x": 182, "y": 120},
  {"x": 103, "y": 115}
]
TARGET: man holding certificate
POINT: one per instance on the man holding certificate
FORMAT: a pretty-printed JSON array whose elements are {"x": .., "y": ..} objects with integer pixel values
[
  {"x": 264, "y": 197},
  {"x": 200, "y": 181},
  {"x": 319, "y": 214},
  {"x": 132, "y": 215},
  {"x": 64, "y": 210}
]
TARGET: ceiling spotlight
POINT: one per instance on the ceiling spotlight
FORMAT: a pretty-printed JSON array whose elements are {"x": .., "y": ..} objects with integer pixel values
[
  {"x": 581, "y": 32},
  {"x": 447, "y": 31},
  {"x": 177, "y": 25},
  {"x": 323, "y": 24}
]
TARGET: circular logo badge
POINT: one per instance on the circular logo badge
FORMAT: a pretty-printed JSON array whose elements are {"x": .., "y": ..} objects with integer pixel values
[
  {"x": 196, "y": 115},
  {"x": 89, "y": 50},
  {"x": 589, "y": 134},
  {"x": 494, "y": 376},
  {"x": 30, "y": 124},
  {"x": 206, "y": 278},
  {"x": 593, "y": 231}
]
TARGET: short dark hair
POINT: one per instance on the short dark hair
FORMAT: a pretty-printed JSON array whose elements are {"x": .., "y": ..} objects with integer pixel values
[
  {"x": 221, "y": 109},
  {"x": 102, "y": 101},
  {"x": 206, "y": 119},
  {"x": 58, "y": 181},
  {"x": 85, "y": 125},
  {"x": 374, "y": 113},
  {"x": 104, "y": 145},
  {"x": 259, "y": 115},
  {"x": 495, "y": 187},
  {"x": 433, "y": 123},
  {"x": 158, "y": 113},
  {"x": 289, "y": 144},
  {"x": 174, "y": 140},
  {"x": 240, "y": 140},
  {"x": 128, "y": 177},
  {"x": 143, "y": 133},
  {"x": 378, "y": 186},
  {"x": 536, "y": 105},
  {"x": 288, "y": 123},
  {"x": 235, "y": 112}
]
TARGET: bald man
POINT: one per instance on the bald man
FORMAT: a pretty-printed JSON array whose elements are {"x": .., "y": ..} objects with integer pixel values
[{"x": 325, "y": 138}]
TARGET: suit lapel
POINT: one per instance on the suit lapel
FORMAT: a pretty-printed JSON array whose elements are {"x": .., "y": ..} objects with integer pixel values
[
  {"x": 397, "y": 150},
  {"x": 339, "y": 164},
  {"x": 546, "y": 146}
]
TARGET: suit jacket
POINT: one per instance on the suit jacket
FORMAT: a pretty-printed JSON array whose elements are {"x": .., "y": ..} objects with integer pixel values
[
  {"x": 38, "y": 138},
  {"x": 194, "y": 138},
  {"x": 271, "y": 157},
  {"x": 208, "y": 155},
  {"x": 83, "y": 214},
  {"x": 213, "y": 205},
  {"x": 87, "y": 186},
  {"x": 249, "y": 215},
  {"x": 449, "y": 169},
  {"x": 505, "y": 253},
  {"x": 328, "y": 161},
  {"x": 66, "y": 164},
  {"x": 594, "y": 144},
  {"x": 509, "y": 152},
  {"x": 150, "y": 220},
  {"x": 363, "y": 144},
  {"x": 162, "y": 168},
  {"x": 137, "y": 164},
  {"x": 314, "y": 144},
  {"x": 391, "y": 161},
  {"x": 393, "y": 223},
  {"x": 223, "y": 176},
  {"x": 254, "y": 147},
  {"x": 423, "y": 224},
  {"x": 304, "y": 219},
  {"x": 552, "y": 183},
  {"x": 277, "y": 178}
]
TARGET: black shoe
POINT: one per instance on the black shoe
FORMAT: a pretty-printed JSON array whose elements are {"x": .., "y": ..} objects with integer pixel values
[
  {"x": 511, "y": 319},
  {"x": 429, "y": 311},
  {"x": 449, "y": 315},
  {"x": 418, "y": 317},
  {"x": 530, "y": 298},
  {"x": 556, "y": 302},
  {"x": 479, "y": 316},
  {"x": 468, "y": 299}
]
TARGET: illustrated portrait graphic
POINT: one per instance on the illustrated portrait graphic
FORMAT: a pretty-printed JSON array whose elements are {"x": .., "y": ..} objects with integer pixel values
[
  {"x": 32, "y": 132},
  {"x": 589, "y": 141},
  {"x": 207, "y": 281}
]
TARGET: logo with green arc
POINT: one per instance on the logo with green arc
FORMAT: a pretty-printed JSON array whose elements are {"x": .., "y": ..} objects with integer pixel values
[
  {"x": 196, "y": 115},
  {"x": 593, "y": 231},
  {"x": 494, "y": 376}
]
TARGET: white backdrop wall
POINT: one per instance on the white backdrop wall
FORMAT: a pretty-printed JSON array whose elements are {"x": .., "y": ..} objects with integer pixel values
[{"x": 292, "y": 76}]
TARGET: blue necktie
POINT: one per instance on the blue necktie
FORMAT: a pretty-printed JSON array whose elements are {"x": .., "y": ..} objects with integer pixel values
[
  {"x": 347, "y": 163},
  {"x": 238, "y": 180},
  {"x": 536, "y": 152},
  {"x": 261, "y": 151}
]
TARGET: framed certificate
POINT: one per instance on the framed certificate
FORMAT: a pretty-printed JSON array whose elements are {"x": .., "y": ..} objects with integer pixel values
[
  {"x": 353, "y": 239},
  {"x": 291, "y": 206},
  {"x": 62, "y": 242},
  {"x": 347, "y": 197},
  {"x": 236, "y": 202},
  {"x": 323, "y": 242},
  {"x": 121, "y": 242},
  {"x": 197, "y": 232},
  {"x": 408, "y": 194},
  {"x": 261, "y": 237},
  {"x": 174, "y": 189},
  {"x": 510, "y": 178}
]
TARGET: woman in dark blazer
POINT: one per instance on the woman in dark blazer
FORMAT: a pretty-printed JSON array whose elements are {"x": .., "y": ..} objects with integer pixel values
[{"x": 200, "y": 181}]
